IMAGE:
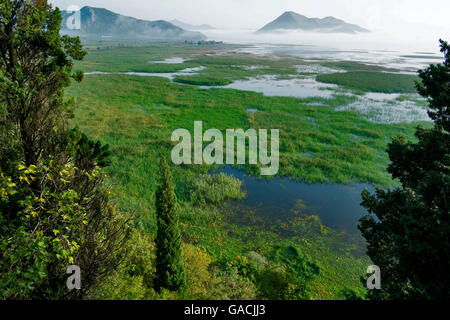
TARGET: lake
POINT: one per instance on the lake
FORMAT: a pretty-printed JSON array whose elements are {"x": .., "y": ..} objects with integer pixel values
[{"x": 338, "y": 206}]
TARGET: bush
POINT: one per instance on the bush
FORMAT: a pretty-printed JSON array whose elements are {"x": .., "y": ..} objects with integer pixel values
[
  {"x": 54, "y": 216},
  {"x": 231, "y": 286},
  {"x": 198, "y": 275},
  {"x": 133, "y": 279},
  {"x": 215, "y": 189}
]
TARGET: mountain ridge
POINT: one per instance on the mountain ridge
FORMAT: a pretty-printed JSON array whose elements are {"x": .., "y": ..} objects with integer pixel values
[
  {"x": 191, "y": 27},
  {"x": 100, "y": 23},
  {"x": 291, "y": 20}
]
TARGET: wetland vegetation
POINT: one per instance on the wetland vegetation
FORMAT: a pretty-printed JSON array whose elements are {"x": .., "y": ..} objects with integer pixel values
[
  {"x": 86, "y": 186},
  {"x": 136, "y": 115}
]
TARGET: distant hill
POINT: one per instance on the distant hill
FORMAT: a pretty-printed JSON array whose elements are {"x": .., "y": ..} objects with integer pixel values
[
  {"x": 294, "y": 21},
  {"x": 188, "y": 26},
  {"x": 99, "y": 23}
]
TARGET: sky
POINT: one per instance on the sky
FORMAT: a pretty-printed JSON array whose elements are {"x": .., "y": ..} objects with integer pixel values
[
  {"x": 403, "y": 23},
  {"x": 253, "y": 14}
]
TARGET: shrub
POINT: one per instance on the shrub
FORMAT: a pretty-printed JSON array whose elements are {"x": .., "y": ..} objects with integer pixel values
[{"x": 215, "y": 189}]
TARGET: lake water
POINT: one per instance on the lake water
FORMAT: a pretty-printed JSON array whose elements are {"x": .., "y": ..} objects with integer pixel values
[
  {"x": 174, "y": 60},
  {"x": 338, "y": 206},
  {"x": 384, "y": 108},
  {"x": 270, "y": 86},
  {"x": 405, "y": 61},
  {"x": 375, "y": 107},
  {"x": 169, "y": 75}
]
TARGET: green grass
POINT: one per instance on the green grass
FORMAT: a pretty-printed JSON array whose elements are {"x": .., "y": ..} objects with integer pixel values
[
  {"x": 356, "y": 66},
  {"x": 112, "y": 103},
  {"x": 113, "y": 58},
  {"x": 136, "y": 116},
  {"x": 219, "y": 69},
  {"x": 223, "y": 69},
  {"x": 372, "y": 81},
  {"x": 228, "y": 232},
  {"x": 200, "y": 80},
  {"x": 214, "y": 189}
]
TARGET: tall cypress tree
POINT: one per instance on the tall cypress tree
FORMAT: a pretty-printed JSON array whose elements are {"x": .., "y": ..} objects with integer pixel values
[{"x": 169, "y": 261}]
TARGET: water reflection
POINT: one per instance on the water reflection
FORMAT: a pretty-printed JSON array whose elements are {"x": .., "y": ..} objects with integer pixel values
[
  {"x": 271, "y": 86},
  {"x": 338, "y": 206}
]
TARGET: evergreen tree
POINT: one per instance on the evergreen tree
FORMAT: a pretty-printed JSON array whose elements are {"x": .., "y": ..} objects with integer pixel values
[
  {"x": 55, "y": 209},
  {"x": 170, "y": 273},
  {"x": 407, "y": 229}
]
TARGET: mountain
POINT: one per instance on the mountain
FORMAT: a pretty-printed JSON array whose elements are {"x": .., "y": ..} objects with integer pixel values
[
  {"x": 294, "y": 21},
  {"x": 98, "y": 23},
  {"x": 188, "y": 26}
]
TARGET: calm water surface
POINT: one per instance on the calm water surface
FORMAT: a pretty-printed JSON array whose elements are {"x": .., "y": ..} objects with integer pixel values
[{"x": 338, "y": 206}]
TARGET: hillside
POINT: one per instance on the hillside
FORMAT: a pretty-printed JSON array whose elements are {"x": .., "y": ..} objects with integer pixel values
[
  {"x": 294, "y": 21},
  {"x": 100, "y": 23},
  {"x": 187, "y": 26}
]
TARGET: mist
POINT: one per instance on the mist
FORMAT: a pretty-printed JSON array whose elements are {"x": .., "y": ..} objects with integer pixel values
[
  {"x": 404, "y": 25},
  {"x": 375, "y": 40}
]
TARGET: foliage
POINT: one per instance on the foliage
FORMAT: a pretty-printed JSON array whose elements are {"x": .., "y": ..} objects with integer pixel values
[
  {"x": 87, "y": 152},
  {"x": 170, "y": 273},
  {"x": 37, "y": 230},
  {"x": 215, "y": 189},
  {"x": 351, "y": 295},
  {"x": 299, "y": 265},
  {"x": 230, "y": 285},
  {"x": 135, "y": 116},
  {"x": 372, "y": 81},
  {"x": 408, "y": 228},
  {"x": 198, "y": 274},
  {"x": 55, "y": 206},
  {"x": 202, "y": 81},
  {"x": 283, "y": 275},
  {"x": 35, "y": 66},
  {"x": 48, "y": 219},
  {"x": 122, "y": 286},
  {"x": 207, "y": 283},
  {"x": 133, "y": 278},
  {"x": 143, "y": 111},
  {"x": 286, "y": 275},
  {"x": 356, "y": 66},
  {"x": 435, "y": 85}
]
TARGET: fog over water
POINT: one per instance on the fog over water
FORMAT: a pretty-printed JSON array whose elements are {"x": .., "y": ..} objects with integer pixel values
[
  {"x": 404, "y": 25},
  {"x": 375, "y": 40}
]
